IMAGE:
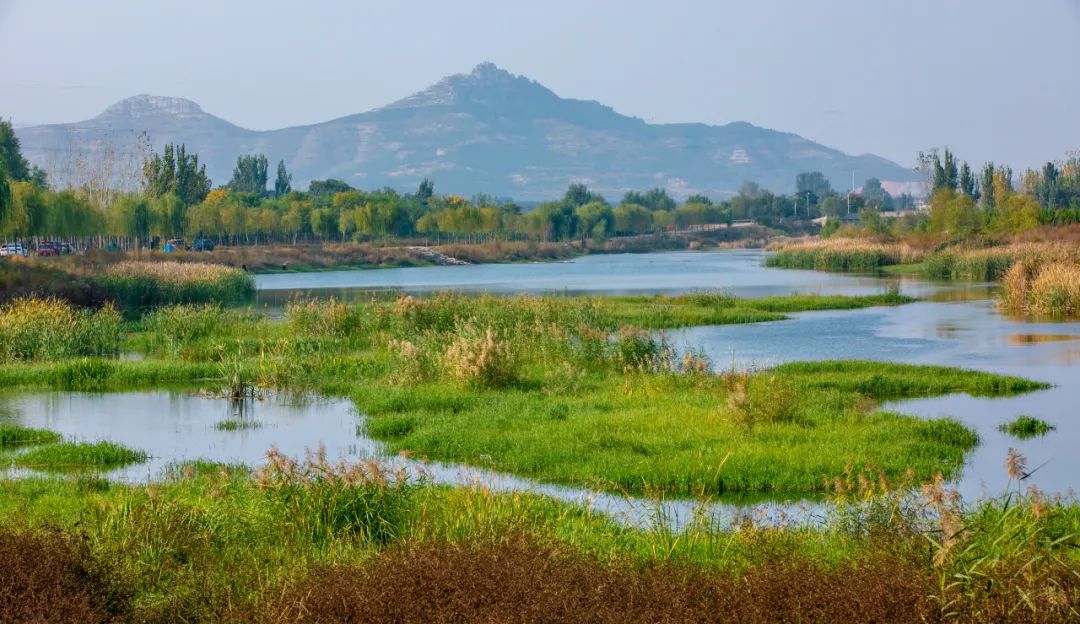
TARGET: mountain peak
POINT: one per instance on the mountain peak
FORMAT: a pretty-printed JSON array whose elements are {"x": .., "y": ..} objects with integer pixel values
[
  {"x": 144, "y": 105},
  {"x": 486, "y": 82}
]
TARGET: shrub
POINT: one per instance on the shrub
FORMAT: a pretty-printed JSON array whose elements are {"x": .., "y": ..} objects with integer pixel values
[
  {"x": 520, "y": 579},
  {"x": 48, "y": 578}
]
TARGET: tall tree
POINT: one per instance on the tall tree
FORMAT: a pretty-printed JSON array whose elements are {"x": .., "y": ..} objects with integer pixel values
[
  {"x": 5, "y": 194},
  {"x": 283, "y": 182},
  {"x": 425, "y": 191},
  {"x": 986, "y": 186},
  {"x": 250, "y": 174},
  {"x": 967, "y": 182},
  {"x": 952, "y": 176},
  {"x": 178, "y": 173},
  {"x": 813, "y": 182},
  {"x": 11, "y": 153}
]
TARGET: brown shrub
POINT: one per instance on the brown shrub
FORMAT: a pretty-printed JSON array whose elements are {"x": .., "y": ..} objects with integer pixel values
[
  {"x": 521, "y": 581},
  {"x": 47, "y": 578}
]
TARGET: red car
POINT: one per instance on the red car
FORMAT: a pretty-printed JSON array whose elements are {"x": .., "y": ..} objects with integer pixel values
[{"x": 50, "y": 248}]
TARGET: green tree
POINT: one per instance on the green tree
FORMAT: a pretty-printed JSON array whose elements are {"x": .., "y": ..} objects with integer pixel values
[
  {"x": 327, "y": 188},
  {"x": 250, "y": 174},
  {"x": 632, "y": 219},
  {"x": 283, "y": 182},
  {"x": 11, "y": 158},
  {"x": 178, "y": 173},
  {"x": 986, "y": 186},
  {"x": 425, "y": 191},
  {"x": 595, "y": 220},
  {"x": 813, "y": 182},
  {"x": 578, "y": 195},
  {"x": 699, "y": 199},
  {"x": 967, "y": 182},
  {"x": 6, "y": 205}
]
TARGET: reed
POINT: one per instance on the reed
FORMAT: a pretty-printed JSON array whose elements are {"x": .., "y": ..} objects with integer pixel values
[
  {"x": 1040, "y": 289},
  {"x": 49, "y": 329},
  {"x": 141, "y": 285},
  {"x": 842, "y": 255}
]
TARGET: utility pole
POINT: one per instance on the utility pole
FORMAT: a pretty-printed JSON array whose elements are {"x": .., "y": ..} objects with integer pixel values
[{"x": 850, "y": 192}]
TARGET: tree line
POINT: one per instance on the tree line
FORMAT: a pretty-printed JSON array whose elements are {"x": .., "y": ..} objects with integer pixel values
[{"x": 179, "y": 200}]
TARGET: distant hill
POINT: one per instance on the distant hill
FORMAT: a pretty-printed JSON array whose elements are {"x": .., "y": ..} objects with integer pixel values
[{"x": 488, "y": 131}]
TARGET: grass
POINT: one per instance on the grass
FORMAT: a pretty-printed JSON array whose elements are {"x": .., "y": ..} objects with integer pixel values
[
  {"x": 1043, "y": 290},
  {"x": 842, "y": 255},
  {"x": 682, "y": 436},
  {"x": 18, "y": 435},
  {"x": 1025, "y": 427},
  {"x": 67, "y": 456},
  {"x": 49, "y": 329},
  {"x": 567, "y": 390},
  {"x": 237, "y": 424},
  {"x": 141, "y": 285},
  {"x": 310, "y": 540}
]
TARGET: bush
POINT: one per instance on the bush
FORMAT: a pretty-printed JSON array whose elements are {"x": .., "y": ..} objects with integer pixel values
[{"x": 47, "y": 578}]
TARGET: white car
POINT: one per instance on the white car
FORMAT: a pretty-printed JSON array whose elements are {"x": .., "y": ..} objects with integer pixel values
[{"x": 12, "y": 249}]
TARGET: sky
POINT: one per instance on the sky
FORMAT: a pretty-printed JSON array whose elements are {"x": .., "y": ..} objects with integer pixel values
[{"x": 990, "y": 79}]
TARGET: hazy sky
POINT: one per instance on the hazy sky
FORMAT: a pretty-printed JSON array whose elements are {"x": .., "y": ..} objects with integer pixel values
[{"x": 993, "y": 79}]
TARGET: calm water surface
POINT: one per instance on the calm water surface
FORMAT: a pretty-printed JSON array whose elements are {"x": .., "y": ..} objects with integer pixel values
[
  {"x": 958, "y": 326},
  {"x": 740, "y": 272}
]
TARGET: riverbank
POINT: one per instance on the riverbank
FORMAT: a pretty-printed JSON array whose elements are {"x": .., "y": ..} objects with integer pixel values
[{"x": 1040, "y": 277}]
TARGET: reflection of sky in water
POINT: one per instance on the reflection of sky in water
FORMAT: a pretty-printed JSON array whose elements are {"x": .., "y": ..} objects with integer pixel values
[
  {"x": 176, "y": 426},
  {"x": 967, "y": 335},
  {"x": 740, "y": 272}
]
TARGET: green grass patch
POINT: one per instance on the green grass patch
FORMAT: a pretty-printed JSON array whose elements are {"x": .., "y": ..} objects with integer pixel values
[
  {"x": 679, "y": 435},
  {"x": 237, "y": 424},
  {"x": 75, "y": 456},
  {"x": 17, "y": 435},
  {"x": 1025, "y": 427}
]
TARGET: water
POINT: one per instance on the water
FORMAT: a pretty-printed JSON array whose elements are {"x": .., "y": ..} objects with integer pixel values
[
  {"x": 740, "y": 272},
  {"x": 968, "y": 334},
  {"x": 177, "y": 426}
]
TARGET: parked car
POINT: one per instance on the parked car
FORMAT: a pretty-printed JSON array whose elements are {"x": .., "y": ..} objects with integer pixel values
[
  {"x": 12, "y": 249},
  {"x": 174, "y": 244},
  {"x": 48, "y": 248},
  {"x": 202, "y": 244}
]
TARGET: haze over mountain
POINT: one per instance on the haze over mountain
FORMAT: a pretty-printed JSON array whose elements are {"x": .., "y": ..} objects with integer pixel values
[{"x": 488, "y": 131}]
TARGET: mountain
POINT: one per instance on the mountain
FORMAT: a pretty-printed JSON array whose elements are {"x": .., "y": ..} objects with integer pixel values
[{"x": 489, "y": 131}]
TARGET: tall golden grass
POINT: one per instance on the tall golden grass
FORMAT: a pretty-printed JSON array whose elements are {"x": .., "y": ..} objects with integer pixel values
[{"x": 1049, "y": 289}]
